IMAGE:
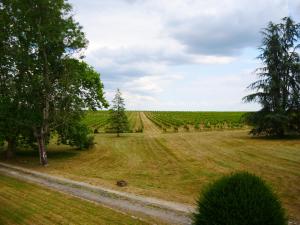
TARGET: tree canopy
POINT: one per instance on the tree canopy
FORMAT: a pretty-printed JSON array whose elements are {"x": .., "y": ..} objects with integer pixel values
[{"x": 278, "y": 86}]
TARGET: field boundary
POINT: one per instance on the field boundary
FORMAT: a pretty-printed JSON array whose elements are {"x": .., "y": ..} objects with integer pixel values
[{"x": 170, "y": 212}]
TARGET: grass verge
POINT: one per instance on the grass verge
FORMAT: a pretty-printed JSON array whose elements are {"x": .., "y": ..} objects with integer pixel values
[{"x": 24, "y": 203}]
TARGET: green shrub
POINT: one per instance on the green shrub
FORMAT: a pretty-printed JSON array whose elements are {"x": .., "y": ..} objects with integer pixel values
[
  {"x": 76, "y": 134},
  {"x": 207, "y": 125},
  {"x": 239, "y": 199}
]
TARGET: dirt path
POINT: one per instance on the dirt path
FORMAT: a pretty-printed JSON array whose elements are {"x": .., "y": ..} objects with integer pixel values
[
  {"x": 149, "y": 126},
  {"x": 169, "y": 212}
]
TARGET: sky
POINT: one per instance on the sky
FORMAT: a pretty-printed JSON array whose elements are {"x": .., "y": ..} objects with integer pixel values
[{"x": 191, "y": 55}]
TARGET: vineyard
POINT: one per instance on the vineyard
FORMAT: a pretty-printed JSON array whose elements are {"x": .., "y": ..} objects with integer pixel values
[
  {"x": 170, "y": 121},
  {"x": 135, "y": 121},
  {"x": 175, "y": 121},
  {"x": 98, "y": 121}
]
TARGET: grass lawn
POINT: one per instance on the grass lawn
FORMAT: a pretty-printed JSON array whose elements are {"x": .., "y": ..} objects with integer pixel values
[
  {"x": 176, "y": 166},
  {"x": 24, "y": 203}
]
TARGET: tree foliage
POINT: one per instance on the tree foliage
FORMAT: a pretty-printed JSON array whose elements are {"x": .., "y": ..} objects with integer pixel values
[
  {"x": 118, "y": 121},
  {"x": 44, "y": 86},
  {"x": 278, "y": 86}
]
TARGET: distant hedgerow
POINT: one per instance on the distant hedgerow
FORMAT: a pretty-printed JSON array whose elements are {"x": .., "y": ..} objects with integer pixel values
[{"x": 239, "y": 199}]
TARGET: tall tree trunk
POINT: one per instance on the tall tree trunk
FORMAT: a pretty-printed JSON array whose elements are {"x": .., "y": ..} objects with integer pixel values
[
  {"x": 44, "y": 129},
  {"x": 11, "y": 148},
  {"x": 40, "y": 137}
]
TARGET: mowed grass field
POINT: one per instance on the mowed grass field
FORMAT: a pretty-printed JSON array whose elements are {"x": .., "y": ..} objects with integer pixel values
[
  {"x": 24, "y": 203},
  {"x": 177, "y": 166}
]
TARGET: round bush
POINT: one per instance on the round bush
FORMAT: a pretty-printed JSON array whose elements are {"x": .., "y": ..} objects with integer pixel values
[{"x": 239, "y": 199}]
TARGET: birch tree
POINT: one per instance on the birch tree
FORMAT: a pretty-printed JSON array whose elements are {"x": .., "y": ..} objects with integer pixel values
[{"x": 53, "y": 85}]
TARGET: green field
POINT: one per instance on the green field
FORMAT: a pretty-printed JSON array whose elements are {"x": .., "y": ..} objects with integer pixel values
[
  {"x": 176, "y": 166},
  {"x": 24, "y": 203}
]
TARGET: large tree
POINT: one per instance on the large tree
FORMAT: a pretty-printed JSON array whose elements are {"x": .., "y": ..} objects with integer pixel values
[
  {"x": 9, "y": 102},
  {"x": 46, "y": 85},
  {"x": 278, "y": 86},
  {"x": 118, "y": 121}
]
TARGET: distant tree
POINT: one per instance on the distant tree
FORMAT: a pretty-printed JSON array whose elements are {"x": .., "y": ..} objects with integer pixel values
[
  {"x": 118, "y": 121},
  {"x": 278, "y": 87}
]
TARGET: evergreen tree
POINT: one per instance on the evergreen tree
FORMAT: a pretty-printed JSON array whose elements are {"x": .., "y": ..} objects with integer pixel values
[
  {"x": 278, "y": 87},
  {"x": 118, "y": 119}
]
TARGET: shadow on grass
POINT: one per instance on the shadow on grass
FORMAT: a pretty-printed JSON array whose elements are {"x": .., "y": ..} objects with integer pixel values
[
  {"x": 62, "y": 154},
  {"x": 276, "y": 138}
]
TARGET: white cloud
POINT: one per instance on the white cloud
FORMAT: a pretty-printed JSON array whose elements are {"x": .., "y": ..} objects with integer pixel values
[
  {"x": 140, "y": 45},
  {"x": 151, "y": 84},
  {"x": 134, "y": 101}
]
